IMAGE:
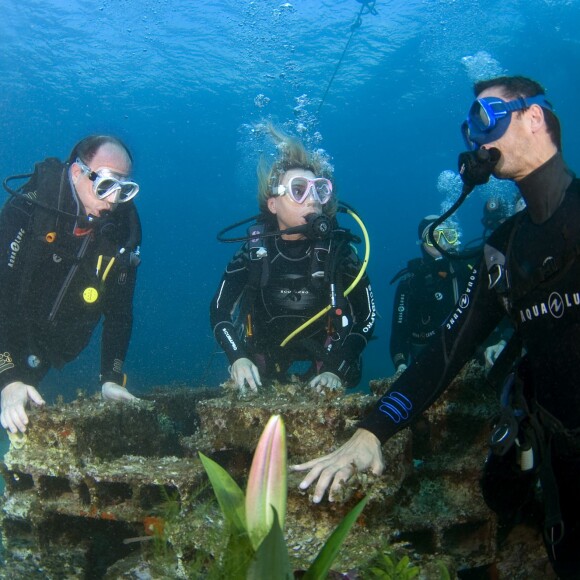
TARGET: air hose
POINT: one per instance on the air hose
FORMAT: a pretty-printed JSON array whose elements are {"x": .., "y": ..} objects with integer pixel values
[{"x": 352, "y": 286}]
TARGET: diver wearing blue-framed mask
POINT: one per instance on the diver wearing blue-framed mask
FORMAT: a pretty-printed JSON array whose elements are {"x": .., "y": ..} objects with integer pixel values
[{"x": 489, "y": 118}]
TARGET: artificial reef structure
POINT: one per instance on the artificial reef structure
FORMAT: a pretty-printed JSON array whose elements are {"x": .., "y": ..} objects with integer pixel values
[{"x": 107, "y": 490}]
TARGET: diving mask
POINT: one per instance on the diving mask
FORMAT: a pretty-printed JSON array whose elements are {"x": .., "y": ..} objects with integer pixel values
[
  {"x": 450, "y": 235},
  {"x": 299, "y": 188},
  {"x": 489, "y": 118},
  {"x": 106, "y": 183}
]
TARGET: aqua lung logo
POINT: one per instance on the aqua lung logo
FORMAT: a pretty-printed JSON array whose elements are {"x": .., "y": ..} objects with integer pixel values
[
  {"x": 15, "y": 248},
  {"x": 555, "y": 306},
  {"x": 5, "y": 361},
  {"x": 230, "y": 339},
  {"x": 118, "y": 366},
  {"x": 463, "y": 302},
  {"x": 288, "y": 291},
  {"x": 401, "y": 309},
  {"x": 371, "y": 322}
]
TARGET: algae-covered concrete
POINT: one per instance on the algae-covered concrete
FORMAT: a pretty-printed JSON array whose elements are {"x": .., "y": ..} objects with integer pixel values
[{"x": 110, "y": 490}]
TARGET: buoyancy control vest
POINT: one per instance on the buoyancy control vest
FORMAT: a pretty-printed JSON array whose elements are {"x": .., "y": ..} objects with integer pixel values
[{"x": 324, "y": 257}]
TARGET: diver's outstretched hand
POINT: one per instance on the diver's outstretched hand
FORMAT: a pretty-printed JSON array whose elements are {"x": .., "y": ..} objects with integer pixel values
[
  {"x": 245, "y": 371},
  {"x": 114, "y": 392},
  {"x": 15, "y": 397},
  {"x": 325, "y": 380},
  {"x": 401, "y": 369},
  {"x": 361, "y": 452},
  {"x": 492, "y": 353}
]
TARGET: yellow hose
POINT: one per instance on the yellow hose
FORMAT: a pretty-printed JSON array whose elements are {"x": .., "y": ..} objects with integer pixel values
[{"x": 347, "y": 291}]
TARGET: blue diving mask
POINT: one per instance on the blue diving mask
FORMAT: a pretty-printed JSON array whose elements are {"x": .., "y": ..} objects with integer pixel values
[{"x": 489, "y": 118}]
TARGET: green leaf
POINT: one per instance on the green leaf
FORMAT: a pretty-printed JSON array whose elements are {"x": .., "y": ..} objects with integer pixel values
[
  {"x": 389, "y": 564},
  {"x": 267, "y": 486},
  {"x": 228, "y": 493},
  {"x": 320, "y": 567},
  {"x": 443, "y": 571},
  {"x": 271, "y": 560},
  {"x": 402, "y": 565},
  {"x": 235, "y": 559}
]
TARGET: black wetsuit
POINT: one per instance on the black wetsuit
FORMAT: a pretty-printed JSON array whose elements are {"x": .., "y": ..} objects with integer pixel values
[
  {"x": 547, "y": 317},
  {"x": 289, "y": 290},
  {"x": 51, "y": 295},
  {"x": 424, "y": 297}
]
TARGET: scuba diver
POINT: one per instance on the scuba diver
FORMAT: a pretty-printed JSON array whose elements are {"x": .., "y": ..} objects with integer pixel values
[
  {"x": 300, "y": 292},
  {"x": 427, "y": 291},
  {"x": 70, "y": 240},
  {"x": 530, "y": 273}
]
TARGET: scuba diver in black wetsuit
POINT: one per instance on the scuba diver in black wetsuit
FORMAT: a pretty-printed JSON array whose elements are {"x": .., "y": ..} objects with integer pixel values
[
  {"x": 531, "y": 274},
  {"x": 428, "y": 289},
  {"x": 297, "y": 298},
  {"x": 70, "y": 242}
]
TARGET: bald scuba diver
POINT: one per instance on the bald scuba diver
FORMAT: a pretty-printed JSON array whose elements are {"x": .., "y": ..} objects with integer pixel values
[
  {"x": 69, "y": 239},
  {"x": 295, "y": 293}
]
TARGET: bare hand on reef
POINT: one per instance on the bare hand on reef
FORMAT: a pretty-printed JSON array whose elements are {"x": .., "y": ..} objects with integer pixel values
[
  {"x": 245, "y": 371},
  {"x": 15, "y": 397},
  {"x": 361, "y": 452}
]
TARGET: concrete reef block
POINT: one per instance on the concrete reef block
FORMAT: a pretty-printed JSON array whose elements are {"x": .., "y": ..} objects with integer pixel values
[
  {"x": 314, "y": 425},
  {"x": 92, "y": 481}
]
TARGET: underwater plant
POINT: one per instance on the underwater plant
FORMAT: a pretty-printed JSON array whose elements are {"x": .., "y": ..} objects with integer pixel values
[
  {"x": 387, "y": 565},
  {"x": 256, "y": 548}
]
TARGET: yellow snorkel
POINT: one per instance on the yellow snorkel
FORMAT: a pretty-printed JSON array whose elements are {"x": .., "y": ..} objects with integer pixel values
[{"x": 353, "y": 285}]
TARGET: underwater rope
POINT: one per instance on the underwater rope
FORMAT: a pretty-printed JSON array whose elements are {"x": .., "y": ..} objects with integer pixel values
[{"x": 370, "y": 4}]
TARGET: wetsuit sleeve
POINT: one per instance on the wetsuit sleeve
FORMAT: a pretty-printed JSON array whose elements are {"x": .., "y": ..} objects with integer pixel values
[
  {"x": 476, "y": 314},
  {"x": 400, "y": 332},
  {"x": 118, "y": 321},
  {"x": 224, "y": 304},
  {"x": 353, "y": 340},
  {"x": 15, "y": 245}
]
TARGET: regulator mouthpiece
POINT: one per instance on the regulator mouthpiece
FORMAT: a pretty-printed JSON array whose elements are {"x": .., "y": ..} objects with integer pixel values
[
  {"x": 476, "y": 167},
  {"x": 318, "y": 226}
]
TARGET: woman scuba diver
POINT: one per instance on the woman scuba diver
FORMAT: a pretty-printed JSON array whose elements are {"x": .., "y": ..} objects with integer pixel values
[{"x": 295, "y": 292}]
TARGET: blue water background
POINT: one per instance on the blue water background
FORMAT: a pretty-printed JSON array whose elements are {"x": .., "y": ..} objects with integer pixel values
[{"x": 185, "y": 83}]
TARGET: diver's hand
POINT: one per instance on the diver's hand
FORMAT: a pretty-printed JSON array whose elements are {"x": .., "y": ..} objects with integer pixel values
[
  {"x": 401, "y": 369},
  {"x": 15, "y": 397},
  {"x": 245, "y": 371},
  {"x": 325, "y": 380},
  {"x": 362, "y": 451},
  {"x": 492, "y": 352},
  {"x": 114, "y": 392}
]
